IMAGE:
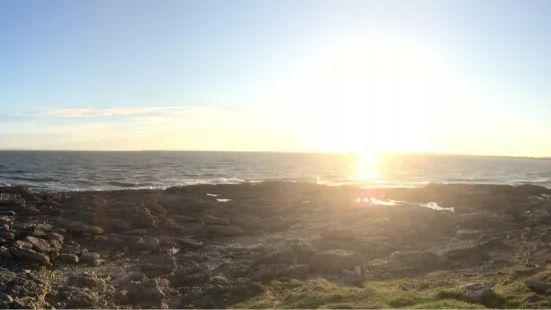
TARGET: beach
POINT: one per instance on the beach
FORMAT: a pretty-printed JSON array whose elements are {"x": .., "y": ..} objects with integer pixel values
[{"x": 276, "y": 245}]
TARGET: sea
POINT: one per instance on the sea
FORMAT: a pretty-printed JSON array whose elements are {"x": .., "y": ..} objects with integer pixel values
[{"x": 87, "y": 170}]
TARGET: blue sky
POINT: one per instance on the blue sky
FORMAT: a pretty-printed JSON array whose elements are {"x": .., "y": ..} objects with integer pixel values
[{"x": 440, "y": 76}]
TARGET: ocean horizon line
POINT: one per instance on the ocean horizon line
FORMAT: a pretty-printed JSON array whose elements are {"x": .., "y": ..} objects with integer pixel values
[{"x": 273, "y": 152}]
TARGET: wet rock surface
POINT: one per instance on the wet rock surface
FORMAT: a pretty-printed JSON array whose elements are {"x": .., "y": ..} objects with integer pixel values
[{"x": 181, "y": 248}]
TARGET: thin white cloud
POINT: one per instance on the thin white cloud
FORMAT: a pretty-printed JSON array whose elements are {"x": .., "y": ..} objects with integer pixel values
[
  {"x": 111, "y": 112},
  {"x": 151, "y": 128}
]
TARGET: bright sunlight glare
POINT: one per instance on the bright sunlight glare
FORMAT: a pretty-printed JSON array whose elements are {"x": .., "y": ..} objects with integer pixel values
[
  {"x": 365, "y": 167},
  {"x": 367, "y": 97}
]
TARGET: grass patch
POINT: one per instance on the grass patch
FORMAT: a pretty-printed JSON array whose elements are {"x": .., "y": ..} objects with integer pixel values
[
  {"x": 437, "y": 290},
  {"x": 517, "y": 295},
  {"x": 447, "y": 304},
  {"x": 319, "y": 293}
]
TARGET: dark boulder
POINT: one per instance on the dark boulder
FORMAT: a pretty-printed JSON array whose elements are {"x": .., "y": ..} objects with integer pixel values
[{"x": 335, "y": 260}]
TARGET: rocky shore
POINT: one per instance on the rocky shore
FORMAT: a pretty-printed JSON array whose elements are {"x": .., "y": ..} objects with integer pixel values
[{"x": 270, "y": 245}]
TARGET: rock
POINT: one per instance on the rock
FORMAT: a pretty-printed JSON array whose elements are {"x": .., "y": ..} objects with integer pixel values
[
  {"x": 530, "y": 190},
  {"x": 243, "y": 289},
  {"x": 23, "y": 244},
  {"x": 149, "y": 293},
  {"x": 193, "y": 230},
  {"x": 482, "y": 294},
  {"x": 68, "y": 258},
  {"x": 116, "y": 240},
  {"x": 302, "y": 251},
  {"x": 121, "y": 297},
  {"x": 169, "y": 223},
  {"x": 8, "y": 235},
  {"x": 39, "y": 244},
  {"x": 218, "y": 280},
  {"x": 299, "y": 271},
  {"x": 285, "y": 255},
  {"x": 5, "y": 301},
  {"x": 248, "y": 223},
  {"x": 118, "y": 225},
  {"x": 184, "y": 219},
  {"x": 419, "y": 261},
  {"x": 151, "y": 244},
  {"x": 78, "y": 227},
  {"x": 136, "y": 232},
  {"x": 215, "y": 221},
  {"x": 335, "y": 260},
  {"x": 71, "y": 248},
  {"x": 124, "y": 279},
  {"x": 538, "y": 286},
  {"x": 225, "y": 231},
  {"x": 55, "y": 245},
  {"x": 473, "y": 254},
  {"x": 509, "y": 218},
  {"x": 154, "y": 271},
  {"x": 85, "y": 281},
  {"x": 38, "y": 232},
  {"x": 5, "y": 253},
  {"x": 31, "y": 255},
  {"x": 71, "y": 297},
  {"x": 268, "y": 273},
  {"x": 169, "y": 250},
  {"x": 484, "y": 221},
  {"x": 492, "y": 244},
  {"x": 17, "y": 205},
  {"x": 6, "y": 220},
  {"x": 26, "y": 285},
  {"x": 185, "y": 278},
  {"x": 90, "y": 258},
  {"x": 276, "y": 223},
  {"x": 475, "y": 221},
  {"x": 25, "y": 303},
  {"x": 53, "y": 236},
  {"x": 338, "y": 234},
  {"x": 467, "y": 234},
  {"x": 144, "y": 219},
  {"x": 187, "y": 243},
  {"x": 238, "y": 271},
  {"x": 53, "y": 255}
]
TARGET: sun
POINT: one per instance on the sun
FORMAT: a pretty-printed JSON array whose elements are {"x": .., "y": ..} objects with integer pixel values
[{"x": 367, "y": 97}]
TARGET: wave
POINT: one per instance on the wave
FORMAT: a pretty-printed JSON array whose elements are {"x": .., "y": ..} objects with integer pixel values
[
  {"x": 15, "y": 171},
  {"x": 213, "y": 181},
  {"x": 535, "y": 182},
  {"x": 33, "y": 179},
  {"x": 471, "y": 180},
  {"x": 125, "y": 184}
]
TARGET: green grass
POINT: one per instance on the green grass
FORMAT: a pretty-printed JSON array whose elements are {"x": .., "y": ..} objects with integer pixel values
[
  {"x": 437, "y": 290},
  {"x": 319, "y": 293}
]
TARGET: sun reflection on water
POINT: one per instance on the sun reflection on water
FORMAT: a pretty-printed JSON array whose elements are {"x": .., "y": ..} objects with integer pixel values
[{"x": 366, "y": 167}]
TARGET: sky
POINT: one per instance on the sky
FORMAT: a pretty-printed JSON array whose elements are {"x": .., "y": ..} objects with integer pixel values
[{"x": 445, "y": 76}]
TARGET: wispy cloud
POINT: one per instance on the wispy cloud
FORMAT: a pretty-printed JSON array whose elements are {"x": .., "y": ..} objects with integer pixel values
[
  {"x": 112, "y": 112},
  {"x": 119, "y": 128}
]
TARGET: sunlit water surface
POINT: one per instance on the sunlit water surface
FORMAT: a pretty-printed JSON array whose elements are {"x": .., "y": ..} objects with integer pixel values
[{"x": 133, "y": 170}]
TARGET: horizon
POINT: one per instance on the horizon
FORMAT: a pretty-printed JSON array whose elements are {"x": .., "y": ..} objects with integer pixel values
[
  {"x": 272, "y": 152},
  {"x": 465, "y": 78}
]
